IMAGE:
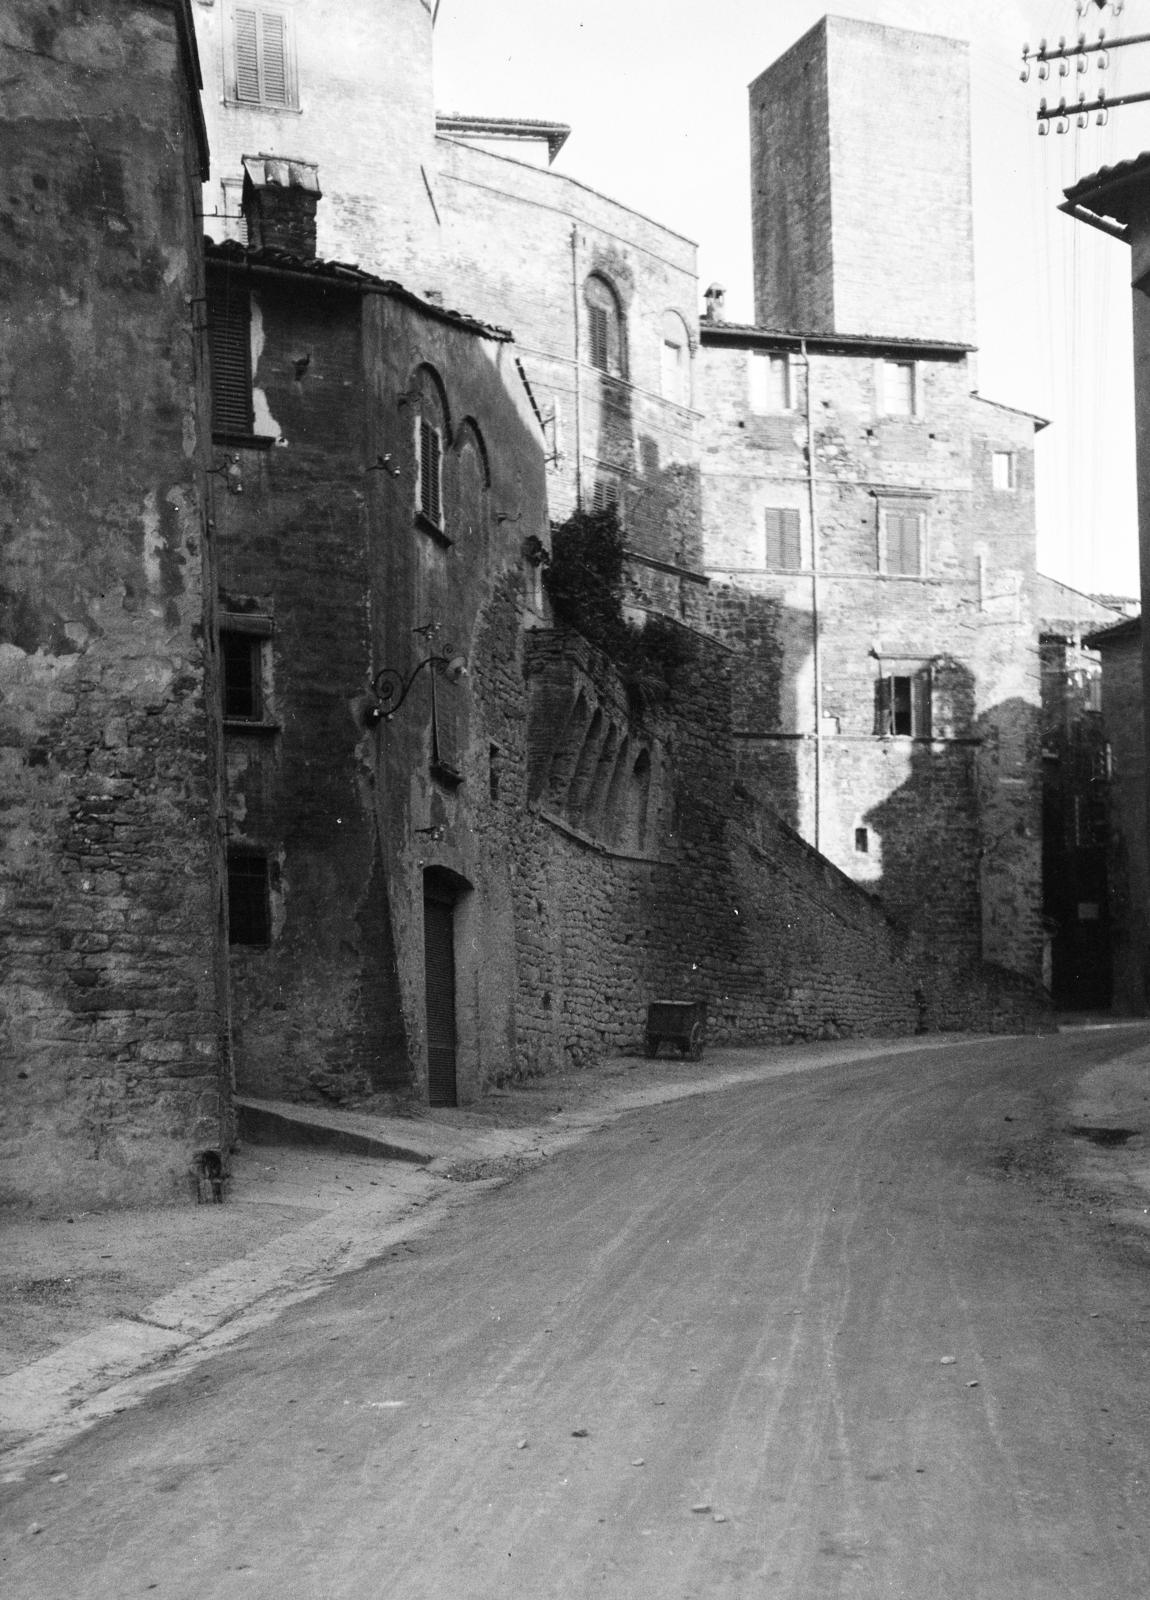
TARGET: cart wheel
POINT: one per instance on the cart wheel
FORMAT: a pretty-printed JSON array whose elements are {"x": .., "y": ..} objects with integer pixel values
[
  {"x": 652, "y": 1044},
  {"x": 694, "y": 1045}
]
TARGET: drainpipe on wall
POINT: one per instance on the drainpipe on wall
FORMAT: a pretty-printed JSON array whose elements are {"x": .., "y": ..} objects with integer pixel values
[
  {"x": 816, "y": 648},
  {"x": 578, "y": 370}
]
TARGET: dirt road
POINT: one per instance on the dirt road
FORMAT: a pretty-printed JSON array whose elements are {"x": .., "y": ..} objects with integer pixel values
[{"x": 843, "y": 1334}]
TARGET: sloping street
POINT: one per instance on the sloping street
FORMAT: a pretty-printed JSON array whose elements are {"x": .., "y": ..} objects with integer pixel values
[{"x": 856, "y": 1332}]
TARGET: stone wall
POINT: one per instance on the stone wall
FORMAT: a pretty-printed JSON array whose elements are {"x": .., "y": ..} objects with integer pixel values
[
  {"x": 860, "y": 155},
  {"x": 112, "y": 1012},
  {"x": 717, "y": 899},
  {"x": 943, "y": 823}
]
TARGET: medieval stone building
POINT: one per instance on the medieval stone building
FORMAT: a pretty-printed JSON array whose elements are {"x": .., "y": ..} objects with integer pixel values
[{"x": 440, "y": 839}]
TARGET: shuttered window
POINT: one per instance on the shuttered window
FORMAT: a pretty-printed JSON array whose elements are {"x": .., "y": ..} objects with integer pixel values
[
  {"x": 598, "y": 328},
  {"x": 262, "y": 53},
  {"x": 605, "y": 496},
  {"x": 902, "y": 543},
  {"x": 230, "y": 350},
  {"x": 903, "y": 704},
  {"x": 430, "y": 460},
  {"x": 783, "y": 538}
]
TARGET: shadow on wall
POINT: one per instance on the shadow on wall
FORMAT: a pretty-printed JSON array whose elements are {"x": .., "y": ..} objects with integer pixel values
[{"x": 959, "y": 837}]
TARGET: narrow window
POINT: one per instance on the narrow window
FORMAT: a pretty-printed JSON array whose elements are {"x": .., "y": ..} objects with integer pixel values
[
  {"x": 605, "y": 496},
  {"x": 783, "y": 536},
  {"x": 770, "y": 382},
  {"x": 430, "y": 469},
  {"x": 899, "y": 388},
  {"x": 597, "y": 328},
  {"x": 262, "y": 54},
  {"x": 902, "y": 543},
  {"x": 605, "y": 344},
  {"x": 862, "y": 841},
  {"x": 242, "y": 663},
  {"x": 249, "y": 909},
  {"x": 676, "y": 369},
  {"x": 1002, "y": 469},
  {"x": 230, "y": 353}
]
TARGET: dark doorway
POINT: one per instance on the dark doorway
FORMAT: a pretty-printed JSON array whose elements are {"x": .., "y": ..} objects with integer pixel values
[{"x": 439, "y": 984}]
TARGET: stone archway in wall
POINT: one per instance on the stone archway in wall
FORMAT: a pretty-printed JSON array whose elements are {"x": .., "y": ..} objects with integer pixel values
[{"x": 447, "y": 900}]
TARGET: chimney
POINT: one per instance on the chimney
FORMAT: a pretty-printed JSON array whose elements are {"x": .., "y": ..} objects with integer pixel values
[
  {"x": 279, "y": 204},
  {"x": 716, "y": 298}
]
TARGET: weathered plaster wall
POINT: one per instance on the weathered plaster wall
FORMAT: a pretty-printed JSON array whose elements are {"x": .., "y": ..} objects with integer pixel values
[
  {"x": 364, "y": 112},
  {"x": 327, "y": 540},
  {"x": 112, "y": 1023}
]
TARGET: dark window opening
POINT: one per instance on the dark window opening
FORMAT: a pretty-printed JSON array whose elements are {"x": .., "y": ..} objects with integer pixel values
[
  {"x": 242, "y": 673},
  {"x": 862, "y": 841},
  {"x": 249, "y": 904},
  {"x": 230, "y": 350}
]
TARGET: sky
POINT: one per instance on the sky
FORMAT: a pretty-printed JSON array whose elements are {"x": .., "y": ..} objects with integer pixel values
[{"x": 655, "y": 93}]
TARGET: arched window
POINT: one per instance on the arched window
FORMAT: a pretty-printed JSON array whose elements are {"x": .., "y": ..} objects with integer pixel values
[
  {"x": 606, "y": 347},
  {"x": 676, "y": 359},
  {"x": 432, "y": 436}
]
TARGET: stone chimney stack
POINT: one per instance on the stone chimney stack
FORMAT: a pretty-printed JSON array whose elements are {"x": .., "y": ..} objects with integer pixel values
[
  {"x": 716, "y": 298},
  {"x": 279, "y": 204}
]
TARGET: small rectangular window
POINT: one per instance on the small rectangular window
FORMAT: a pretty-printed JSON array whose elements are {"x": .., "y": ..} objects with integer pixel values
[
  {"x": 241, "y": 659},
  {"x": 783, "y": 539},
  {"x": 901, "y": 542},
  {"x": 770, "y": 381},
  {"x": 605, "y": 495},
  {"x": 899, "y": 388},
  {"x": 230, "y": 354},
  {"x": 430, "y": 468},
  {"x": 249, "y": 907},
  {"x": 862, "y": 841},
  {"x": 1002, "y": 469},
  {"x": 263, "y": 66}
]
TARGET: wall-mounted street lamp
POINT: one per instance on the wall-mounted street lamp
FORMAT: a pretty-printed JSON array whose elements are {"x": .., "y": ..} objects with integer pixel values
[{"x": 391, "y": 688}]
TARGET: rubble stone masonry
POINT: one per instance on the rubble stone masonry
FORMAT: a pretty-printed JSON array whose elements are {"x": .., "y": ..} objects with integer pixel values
[{"x": 112, "y": 1022}]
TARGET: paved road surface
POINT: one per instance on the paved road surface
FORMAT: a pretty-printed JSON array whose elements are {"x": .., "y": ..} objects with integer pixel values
[{"x": 833, "y": 1335}]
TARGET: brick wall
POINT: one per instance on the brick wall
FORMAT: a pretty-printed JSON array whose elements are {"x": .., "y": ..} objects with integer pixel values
[{"x": 112, "y": 1020}]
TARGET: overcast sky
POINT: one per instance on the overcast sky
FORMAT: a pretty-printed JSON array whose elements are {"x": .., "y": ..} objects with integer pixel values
[{"x": 655, "y": 91}]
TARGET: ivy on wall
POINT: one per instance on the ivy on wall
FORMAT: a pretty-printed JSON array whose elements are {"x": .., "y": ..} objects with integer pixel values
[{"x": 584, "y": 582}]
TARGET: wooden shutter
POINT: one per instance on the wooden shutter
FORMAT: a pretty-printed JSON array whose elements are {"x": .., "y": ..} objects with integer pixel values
[
  {"x": 247, "y": 54},
  {"x": 903, "y": 543},
  {"x": 429, "y": 458},
  {"x": 273, "y": 38},
  {"x": 783, "y": 538},
  {"x": 882, "y": 705},
  {"x": 600, "y": 341},
  {"x": 229, "y": 347}
]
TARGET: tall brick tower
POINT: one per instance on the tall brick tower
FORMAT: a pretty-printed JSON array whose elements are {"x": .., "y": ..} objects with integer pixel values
[{"x": 860, "y": 164}]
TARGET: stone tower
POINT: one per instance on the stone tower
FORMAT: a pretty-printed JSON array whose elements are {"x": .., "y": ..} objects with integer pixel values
[{"x": 860, "y": 163}]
